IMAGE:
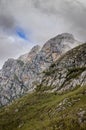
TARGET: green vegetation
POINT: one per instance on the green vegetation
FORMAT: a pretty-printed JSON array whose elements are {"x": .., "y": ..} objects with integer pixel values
[
  {"x": 46, "y": 111},
  {"x": 49, "y": 72},
  {"x": 16, "y": 77},
  {"x": 75, "y": 72},
  {"x": 20, "y": 62},
  {"x": 41, "y": 88},
  {"x": 52, "y": 65}
]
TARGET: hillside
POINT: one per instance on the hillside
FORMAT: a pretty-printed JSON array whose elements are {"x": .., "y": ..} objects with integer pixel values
[{"x": 46, "y": 111}]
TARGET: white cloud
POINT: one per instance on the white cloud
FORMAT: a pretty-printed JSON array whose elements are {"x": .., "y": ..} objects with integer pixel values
[
  {"x": 12, "y": 47},
  {"x": 41, "y": 20}
]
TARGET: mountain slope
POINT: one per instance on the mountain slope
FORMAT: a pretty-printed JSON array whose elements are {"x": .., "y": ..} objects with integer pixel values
[
  {"x": 67, "y": 72},
  {"x": 46, "y": 112},
  {"x": 18, "y": 77}
]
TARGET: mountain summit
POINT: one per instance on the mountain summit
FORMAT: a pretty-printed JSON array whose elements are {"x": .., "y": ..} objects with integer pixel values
[
  {"x": 29, "y": 56},
  {"x": 20, "y": 76}
]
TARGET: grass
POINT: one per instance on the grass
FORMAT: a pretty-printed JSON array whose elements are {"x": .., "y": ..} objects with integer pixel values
[{"x": 41, "y": 111}]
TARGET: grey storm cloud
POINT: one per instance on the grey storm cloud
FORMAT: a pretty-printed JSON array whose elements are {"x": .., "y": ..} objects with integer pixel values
[
  {"x": 31, "y": 13},
  {"x": 6, "y": 21},
  {"x": 43, "y": 19},
  {"x": 72, "y": 11}
]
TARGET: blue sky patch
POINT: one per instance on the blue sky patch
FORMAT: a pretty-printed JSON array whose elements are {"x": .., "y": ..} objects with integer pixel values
[{"x": 21, "y": 33}]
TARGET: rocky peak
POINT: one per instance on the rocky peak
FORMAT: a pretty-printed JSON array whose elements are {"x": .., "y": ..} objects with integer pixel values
[
  {"x": 35, "y": 49},
  {"x": 59, "y": 45},
  {"x": 19, "y": 76},
  {"x": 29, "y": 56},
  {"x": 66, "y": 36},
  {"x": 9, "y": 63}
]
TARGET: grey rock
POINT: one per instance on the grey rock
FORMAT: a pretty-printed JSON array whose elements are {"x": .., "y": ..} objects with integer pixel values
[
  {"x": 68, "y": 71},
  {"x": 21, "y": 76},
  {"x": 81, "y": 116}
]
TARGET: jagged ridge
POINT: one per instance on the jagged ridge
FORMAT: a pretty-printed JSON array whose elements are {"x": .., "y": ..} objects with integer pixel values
[{"x": 20, "y": 76}]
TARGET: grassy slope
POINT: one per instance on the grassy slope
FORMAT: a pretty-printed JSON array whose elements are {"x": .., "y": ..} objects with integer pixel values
[{"x": 43, "y": 112}]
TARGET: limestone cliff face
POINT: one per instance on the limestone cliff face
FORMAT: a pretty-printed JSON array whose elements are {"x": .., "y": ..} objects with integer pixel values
[
  {"x": 68, "y": 72},
  {"x": 20, "y": 76},
  {"x": 29, "y": 56}
]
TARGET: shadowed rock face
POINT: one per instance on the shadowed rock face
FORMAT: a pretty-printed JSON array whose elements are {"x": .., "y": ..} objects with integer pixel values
[
  {"x": 18, "y": 77},
  {"x": 67, "y": 72}
]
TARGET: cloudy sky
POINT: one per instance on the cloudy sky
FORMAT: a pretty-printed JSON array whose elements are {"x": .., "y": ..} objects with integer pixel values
[{"x": 25, "y": 23}]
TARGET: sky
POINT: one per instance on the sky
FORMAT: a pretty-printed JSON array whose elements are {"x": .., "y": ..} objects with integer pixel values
[{"x": 25, "y": 23}]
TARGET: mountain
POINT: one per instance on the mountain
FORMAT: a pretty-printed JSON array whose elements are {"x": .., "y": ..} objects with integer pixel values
[
  {"x": 20, "y": 76},
  {"x": 57, "y": 103}
]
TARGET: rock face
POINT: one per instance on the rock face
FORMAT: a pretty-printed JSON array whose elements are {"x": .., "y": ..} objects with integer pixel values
[
  {"x": 67, "y": 72},
  {"x": 18, "y": 77},
  {"x": 29, "y": 56}
]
